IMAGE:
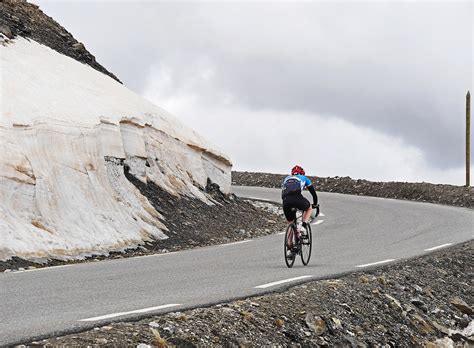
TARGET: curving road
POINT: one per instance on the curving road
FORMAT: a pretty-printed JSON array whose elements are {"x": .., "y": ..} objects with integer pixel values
[{"x": 354, "y": 233}]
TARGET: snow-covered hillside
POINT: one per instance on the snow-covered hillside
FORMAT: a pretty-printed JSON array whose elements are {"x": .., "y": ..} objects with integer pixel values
[{"x": 66, "y": 133}]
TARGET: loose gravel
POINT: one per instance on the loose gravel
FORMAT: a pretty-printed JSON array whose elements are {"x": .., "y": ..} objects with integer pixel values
[{"x": 426, "y": 301}]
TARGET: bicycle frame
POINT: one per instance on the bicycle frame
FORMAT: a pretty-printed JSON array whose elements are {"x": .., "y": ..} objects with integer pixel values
[
  {"x": 299, "y": 217},
  {"x": 299, "y": 239}
]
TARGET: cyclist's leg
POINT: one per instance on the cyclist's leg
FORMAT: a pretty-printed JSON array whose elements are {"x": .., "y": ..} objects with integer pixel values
[
  {"x": 288, "y": 206},
  {"x": 304, "y": 205},
  {"x": 307, "y": 214},
  {"x": 290, "y": 214}
]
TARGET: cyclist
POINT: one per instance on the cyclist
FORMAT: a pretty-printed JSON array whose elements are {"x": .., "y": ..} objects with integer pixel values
[{"x": 292, "y": 188}]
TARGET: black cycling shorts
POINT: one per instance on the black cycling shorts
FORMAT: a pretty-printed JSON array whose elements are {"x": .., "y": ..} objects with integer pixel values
[{"x": 294, "y": 201}]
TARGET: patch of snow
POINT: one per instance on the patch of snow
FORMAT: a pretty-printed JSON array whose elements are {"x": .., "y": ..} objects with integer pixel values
[{"x": 66, "y": 133}]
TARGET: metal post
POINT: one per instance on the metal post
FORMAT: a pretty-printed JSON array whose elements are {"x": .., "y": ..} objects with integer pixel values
[{"x": 468, "y": 139}]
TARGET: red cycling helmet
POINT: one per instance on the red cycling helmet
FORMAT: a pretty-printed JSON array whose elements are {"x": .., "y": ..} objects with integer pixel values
[{"x": 297, "y": 170}]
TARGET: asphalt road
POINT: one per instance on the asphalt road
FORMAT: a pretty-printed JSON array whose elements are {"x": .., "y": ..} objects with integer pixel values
[{"x": 354, "y": 233}]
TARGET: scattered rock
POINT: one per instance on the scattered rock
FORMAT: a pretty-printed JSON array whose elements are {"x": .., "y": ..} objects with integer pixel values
[
  {"x": 469, "y": 329},
  {"x": 419, "y": 303},
  {"x": 346, "y": 307},
  {"x": 79, "y": 46},
  {"x": 422, "y": 326},
  {"x": 380, "y": 328},
  {"x": 461, "y": 305},
  {"x": 316, "y": 324},
  {"x": 5, "y": 30},
  {"x": 440, "y": 328},
  {"x": 445, "y": 342},
  {"x": 458, "y": 337},
  {"x": 394, "y": 303},
  {"x": 158, "y": 341},
  {"x": 279, "y": 322},
  {"x": 336, "y": 324}
]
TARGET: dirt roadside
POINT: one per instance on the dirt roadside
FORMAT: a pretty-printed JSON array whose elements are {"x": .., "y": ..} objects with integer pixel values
[{"x": 460, "y": 196}]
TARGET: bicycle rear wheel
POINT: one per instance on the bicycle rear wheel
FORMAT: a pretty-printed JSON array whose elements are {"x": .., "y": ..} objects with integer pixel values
[
  {"x": 289, "y": 245},
  {"x": 306, "y": 244}
]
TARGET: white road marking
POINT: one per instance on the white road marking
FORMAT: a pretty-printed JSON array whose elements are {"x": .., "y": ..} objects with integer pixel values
[
  {"x": 234, "y": 243},
  {"x": 281, "y": 233},
  {"x": 439, "y": 247},
  {"x": 264, "y": 286},
  {"x": 143, "y": 310},
  {"x": 318, "y": 222},
  {"x": 321, "y": 214},
  {"x": 260, "y": 199},
  {"x": 376, "y": 263},
  {"x": 154, "y": 255},
  {"x": 41, "y": 269}
]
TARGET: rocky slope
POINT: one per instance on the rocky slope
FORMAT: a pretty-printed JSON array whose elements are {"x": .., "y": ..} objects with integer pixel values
[
  {"x": 20, "y": 18},
  {"x": 423, "y": 302},
  {"x": 194, "y": 223},
  {"x": 424, "y": 192}
]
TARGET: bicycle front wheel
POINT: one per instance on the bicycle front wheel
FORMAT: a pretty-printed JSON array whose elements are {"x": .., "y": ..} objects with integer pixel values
[
  {"x": 289, "y": 245},
  {"x": 306, "y": 244}
]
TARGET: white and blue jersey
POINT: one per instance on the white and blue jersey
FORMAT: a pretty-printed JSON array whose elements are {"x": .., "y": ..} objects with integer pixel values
[{"x": 294, "y": 184}]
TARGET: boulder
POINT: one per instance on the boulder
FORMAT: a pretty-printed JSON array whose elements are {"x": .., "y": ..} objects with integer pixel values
[
  {"x": 461, "y": 305},
  {"x": 316, "y": 324}
]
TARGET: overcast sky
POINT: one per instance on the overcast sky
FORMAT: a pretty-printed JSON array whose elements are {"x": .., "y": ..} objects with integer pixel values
[{"x": 372, "y": 90}]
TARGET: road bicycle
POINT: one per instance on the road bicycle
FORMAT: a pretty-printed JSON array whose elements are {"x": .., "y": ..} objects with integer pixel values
[{"x": 294, "y": 246}]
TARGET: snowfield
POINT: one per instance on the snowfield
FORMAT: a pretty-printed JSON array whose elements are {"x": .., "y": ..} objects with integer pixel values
[{"x": 66, "y": 133}]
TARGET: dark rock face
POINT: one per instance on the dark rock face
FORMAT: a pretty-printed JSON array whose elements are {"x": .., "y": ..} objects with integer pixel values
[
  {"x": 367, "y": 309},
  {"x": 424, "y": 192},
  {"x": 20, "y": 18},
  {"x": 194, "y": 223}
]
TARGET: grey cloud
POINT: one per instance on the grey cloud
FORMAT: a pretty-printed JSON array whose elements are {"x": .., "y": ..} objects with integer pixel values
[{"x": 401, "y": 68}]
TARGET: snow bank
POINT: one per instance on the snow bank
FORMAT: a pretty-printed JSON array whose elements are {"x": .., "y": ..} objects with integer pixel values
[{"x": 66, "y": 133}]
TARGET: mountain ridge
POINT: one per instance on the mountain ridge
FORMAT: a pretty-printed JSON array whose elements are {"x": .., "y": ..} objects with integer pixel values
[{"x": 21, "y": 18}]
